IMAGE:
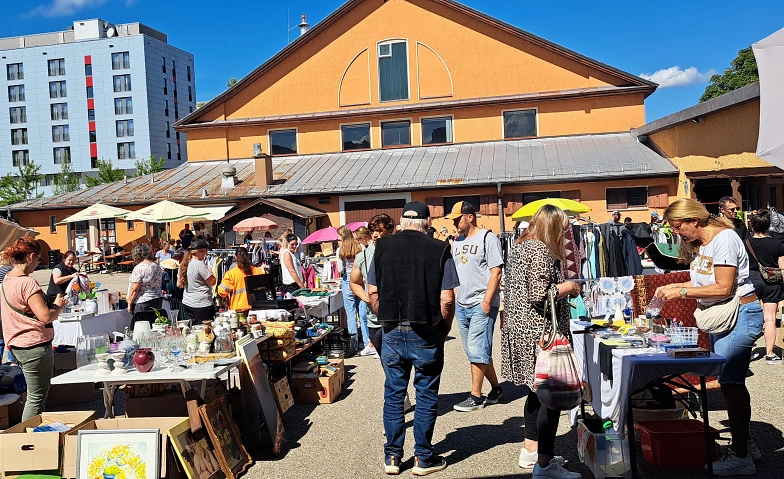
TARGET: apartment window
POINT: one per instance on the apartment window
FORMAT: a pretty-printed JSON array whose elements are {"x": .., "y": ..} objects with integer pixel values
[
  {"x": 48, "y": 180},
  {"x": 88, "y": 70},
  {"x": 60, "y": 133},
  {"x": 174, "y": 68},
  {"x": 190, "y": 108},
  {"x": 179, "y": 155},
  {"x": 93, "y": 138},
  {"x": 356, "y": 137},
  {"x": 175, "y": 93},
  {"x": 57, "y": 89},
  {"x": 57, "y": 67},
  {"x": 59, "y": 111},
  {"x": 176, "y": 112},
  {"x": 121, "y": 61},
  {"x": 123, "y": 106},
  {"x": 93, "y": 162},
  {"x": 436, "y": 130},
  {"x": 168, "y": 130},
  {"x": 283, "y": 142},
  {"x": 531, "y": 196},
  {"x": 18, "y": 114},
  {"x": 395, "y": 133},
  {"x": 130, "y": 225},
  {"x": 519, "y": 124},
  {"x": 91, "y": 115},
  {"x": 124, "y": 128},
  {"x": 168, "y": 150},
  {"x": 15, "y": 71},
  {"x": 190, "y": 93},
  {"x": 189, "y": 72},
  {"x": 53, "y": 224},
  {"x": 623, "y": 198},
  {"x": 166, "y": 107},
  {"x": 62, "y": 154},
  {"x": 122, "y": 83},
  {"x": 90, "y": 92},
  {"x": 109, "y": 230},
  {"x": 16, "y": 93},
  {"x": 393, "y": 71},
  {"x": 164, "y": 64},
  {"x": 165, "y": 86},
  {"x": 19, "y": 136},
  {"x": 20, "y": 157},
  {"x": 126, "y": 151}
]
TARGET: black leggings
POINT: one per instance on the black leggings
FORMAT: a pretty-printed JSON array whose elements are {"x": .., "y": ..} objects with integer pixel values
[
  {"x": 541, "y": 424},
  {"x": 376, "y": 338}
]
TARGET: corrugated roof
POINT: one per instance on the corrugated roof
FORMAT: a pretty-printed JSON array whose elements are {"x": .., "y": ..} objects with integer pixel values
[{"x": 539, "y": 160}]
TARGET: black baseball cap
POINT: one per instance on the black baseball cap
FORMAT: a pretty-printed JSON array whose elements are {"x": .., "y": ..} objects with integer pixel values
[
  {"x": 199, "y": 244},
  {"x": 416, "y": 210}
]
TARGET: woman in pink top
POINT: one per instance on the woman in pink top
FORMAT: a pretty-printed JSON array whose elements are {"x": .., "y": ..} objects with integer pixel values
[{"x": 27, "y": 322}]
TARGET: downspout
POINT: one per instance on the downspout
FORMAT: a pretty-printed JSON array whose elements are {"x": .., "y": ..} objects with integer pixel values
[{"x": 500, "y": 209}]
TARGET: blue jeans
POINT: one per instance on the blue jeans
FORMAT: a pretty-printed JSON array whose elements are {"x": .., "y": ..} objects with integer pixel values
[
  {"x": 401, "y": 349},
  {"x": 476, "y": 330},
  {"x": 736, "y": 344},
  {"x": 355, "y": 306}
]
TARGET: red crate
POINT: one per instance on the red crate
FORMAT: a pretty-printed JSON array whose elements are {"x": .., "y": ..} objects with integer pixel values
[{"x": 664, "y": 443}]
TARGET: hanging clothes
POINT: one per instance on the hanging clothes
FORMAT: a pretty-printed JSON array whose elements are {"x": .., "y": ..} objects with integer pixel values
[
  {"x": 570, "y": 266},
  {"x": 630, "y": 255}
]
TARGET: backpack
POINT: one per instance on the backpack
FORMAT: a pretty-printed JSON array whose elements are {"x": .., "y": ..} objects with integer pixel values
[{"x": 776, "y": 221}]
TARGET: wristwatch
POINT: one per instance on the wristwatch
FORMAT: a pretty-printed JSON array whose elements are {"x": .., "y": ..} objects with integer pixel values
[{"x": 684, "y": 293}]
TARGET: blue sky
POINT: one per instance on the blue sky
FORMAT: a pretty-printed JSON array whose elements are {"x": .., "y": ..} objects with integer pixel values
[{"x": 232, "y": 38}]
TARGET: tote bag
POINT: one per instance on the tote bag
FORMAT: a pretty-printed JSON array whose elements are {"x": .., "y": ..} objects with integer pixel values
[{"x": 557, "y": 380}]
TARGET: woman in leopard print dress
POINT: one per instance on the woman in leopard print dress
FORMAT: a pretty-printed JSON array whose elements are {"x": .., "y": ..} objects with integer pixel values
[{"x": 531, "y": 272}]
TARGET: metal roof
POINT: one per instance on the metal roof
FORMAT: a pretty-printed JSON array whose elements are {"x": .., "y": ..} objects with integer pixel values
[{"x": 538, "y": 160}]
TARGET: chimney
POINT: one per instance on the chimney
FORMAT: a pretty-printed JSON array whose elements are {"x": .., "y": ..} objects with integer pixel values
[
  {"x": 303, "y": 27},
  {"x": 229, "y": 177},
  {"x": 263, "y": 166}
]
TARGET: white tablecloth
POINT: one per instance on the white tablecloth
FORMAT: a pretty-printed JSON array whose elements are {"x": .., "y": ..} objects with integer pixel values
[
  {"x": 67, "y": 332},
  {"x": 322, "y": 306}
]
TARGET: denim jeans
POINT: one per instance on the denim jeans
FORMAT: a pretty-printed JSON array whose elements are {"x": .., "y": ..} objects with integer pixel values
[
  {"x": 736, "y": 344},
  {"x": 355, "y": 306},
  {"x": 422, "y": 349},
  {"x": 476, "y": 331},
  {"x": 37, "y": 365}
]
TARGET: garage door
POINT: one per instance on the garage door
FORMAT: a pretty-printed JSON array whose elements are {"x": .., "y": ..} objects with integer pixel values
[{"x": 364, "y": 210}]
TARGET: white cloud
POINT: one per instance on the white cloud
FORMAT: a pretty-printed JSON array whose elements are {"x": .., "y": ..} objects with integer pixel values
[
  {"x": 60, "y": 8},
  {"x": 674, "y": 76}
]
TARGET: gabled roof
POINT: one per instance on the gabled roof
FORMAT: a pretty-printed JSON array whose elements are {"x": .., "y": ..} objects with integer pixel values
[{"x": 351, "y": 4}]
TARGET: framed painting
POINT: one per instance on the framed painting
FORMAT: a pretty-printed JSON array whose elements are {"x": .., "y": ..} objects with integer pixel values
[
  {"x": 194, "y": 452},
  {"x": 225, "y": 436},
  {"x": 116, "y": 454}
]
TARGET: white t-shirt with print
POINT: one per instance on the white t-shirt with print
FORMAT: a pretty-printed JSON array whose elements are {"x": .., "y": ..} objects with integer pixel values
[{"x": 726, "y": 249}]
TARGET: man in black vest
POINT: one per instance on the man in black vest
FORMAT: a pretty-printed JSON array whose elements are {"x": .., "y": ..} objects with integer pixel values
[{"x": 411, "y": 283}]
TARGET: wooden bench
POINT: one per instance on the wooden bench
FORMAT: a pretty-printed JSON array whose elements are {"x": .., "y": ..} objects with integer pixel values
[{"x": 126, "y": 265}]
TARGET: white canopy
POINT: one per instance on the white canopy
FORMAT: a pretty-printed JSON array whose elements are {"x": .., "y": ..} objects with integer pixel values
[
  {"x": 97, "y": 211},
  {"x": 166, "y": 211},
  {"x": 769, "y": 53},
  {"x": 10, "y": 232}
]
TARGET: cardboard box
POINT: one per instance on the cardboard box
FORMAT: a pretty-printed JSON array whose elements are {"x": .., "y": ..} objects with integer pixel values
[
  {"x": 37, "y": 451},
  {"x": 282, "y": 394},
  {"x": 11, "y": 414},
  {"x": 309, "y": 389},
  {"x": 166, "y": 405},
  {"x": 168, "y": 459}
]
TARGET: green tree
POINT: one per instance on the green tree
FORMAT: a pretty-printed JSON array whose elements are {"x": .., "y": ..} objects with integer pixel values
[
  {"x": 200, "y": 104},
  {"x": 149, "y": 166},
  {"x": 232, "y": 81},
  {"x": 66, "y": 180},
  {"x": 107, "y": 173},
  {"x": 19, "y": 187},
  {"x": 742, "y": 71}
]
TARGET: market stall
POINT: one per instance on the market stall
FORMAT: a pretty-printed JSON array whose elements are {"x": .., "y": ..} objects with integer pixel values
[{"x": 68, "y": 330}]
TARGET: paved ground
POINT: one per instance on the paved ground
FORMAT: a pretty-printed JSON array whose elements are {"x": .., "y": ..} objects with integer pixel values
[{"x": 345, "y": 439}]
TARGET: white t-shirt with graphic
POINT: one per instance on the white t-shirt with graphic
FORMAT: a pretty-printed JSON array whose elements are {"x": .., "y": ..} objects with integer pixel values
[{"x": 726, "y": 249}]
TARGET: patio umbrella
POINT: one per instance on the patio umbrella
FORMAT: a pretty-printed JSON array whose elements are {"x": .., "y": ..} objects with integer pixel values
[
  {"x": 322, "y": 235},
  {"x": 356, "y": 225},
  {"x": 769, "y": 53},
  {"x": 255, "y": 224},
  {"x": 166, "y": 211},
  {"x": 97, "y": 211},
  {"x": 10, "y": 232},
  {"x": 570, "y": 207}
]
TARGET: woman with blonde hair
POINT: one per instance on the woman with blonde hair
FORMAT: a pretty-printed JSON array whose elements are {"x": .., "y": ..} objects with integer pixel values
[
  {"x": 363, "y": 236},
  {"x": 348, "y": 249},
  {"x": 531, "y": 273},
  {"x": 719, "y": 271}
]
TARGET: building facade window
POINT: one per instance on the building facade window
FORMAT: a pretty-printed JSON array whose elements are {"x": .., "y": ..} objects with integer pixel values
[
  {"x": 91, "y": 115},
  {"x": 62, "y": 154},
  {"x": 520, "y": 124},
  {"x": 126, "y": 151},
  {"x": 356, "y": 137},
  {"x": 16, "y": 93},
  {"x": 122, "y": 83},
  {"x": 124, "y": 128},
  {"x": 19, "y": 136},
  {"x": 283, "y": 142},
  {"x": 168, "y": 151},
  {"x": 168, "y": 130},
  {"x": 166, "y": 107},
  {"x": 190, "y": 93},
  {"x": 123, "y": 106},
  {"x": 59, "y": 111},
  {"x": 93, "y": 138},
  {"x": 130, "y": 225},
  {"x": 88, "y": 70},
  {"x": 473, "y": 200},
  {"x": 393, "y": 70},
  {"x": 395, "y": 133},
  {"x": 57, "y": 67},
  {"x": 53, "y": 224},
  {"x": 437, "y": 131},
  {"x": 14, "y": 71},
  {"x": 531, "y": 196},
  {"x": 109, "y": 230},
  {"x": 93, "y": 162},
  {"x": 20, "y": 157},
  {"x": 18, "y": 114},
  {"x": 121, "y": 61},
  {"x": 624, "y": 198},
  {"x": 90, "y": 92},
  {"x": 165, "y": 86},
  {"x": 57, "y": 89},
  {"x": 60, "y": 133},
  {"x": 164, "y": 64},
  {"x": 179, "y": 155},
  {"x": 174, "y": 68},
  {"x": 189, "y": 72}
]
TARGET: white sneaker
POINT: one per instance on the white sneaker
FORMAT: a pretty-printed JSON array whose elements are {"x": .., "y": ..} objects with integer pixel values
[
  {"x": 554, "y": 470},
  {"x": 732, "y": 465},
  {"x": 528, "y": 460},
  {"x": 772, "y": 359},
  {"x": 375, "y": 355},
  {"x": 368, "y": 351}
]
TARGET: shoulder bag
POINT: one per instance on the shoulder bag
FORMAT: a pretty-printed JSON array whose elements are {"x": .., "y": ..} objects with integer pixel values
[
  {"x": 557, "y": 379},
  {"x": 719, "y": 318},
  {"x": 769, "y": 275}
]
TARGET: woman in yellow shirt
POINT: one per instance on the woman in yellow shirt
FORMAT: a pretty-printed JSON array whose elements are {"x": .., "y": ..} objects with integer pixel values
[{"x": 233, "y": 285}]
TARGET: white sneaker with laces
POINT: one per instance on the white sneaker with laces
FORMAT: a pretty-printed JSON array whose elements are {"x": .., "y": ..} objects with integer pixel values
[
  {"x": 368, "y": 351},
  {"x": 732, "y": 465},
  {"x": 528, "y": 460},
  {"x": 554, "y": 470}
]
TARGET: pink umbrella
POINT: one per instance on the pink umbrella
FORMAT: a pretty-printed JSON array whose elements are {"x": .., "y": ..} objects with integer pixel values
[
  {"x": 356, "y": 225},
  {"x": 255, "y": 224},
  {"x": 322, "y": 235}
]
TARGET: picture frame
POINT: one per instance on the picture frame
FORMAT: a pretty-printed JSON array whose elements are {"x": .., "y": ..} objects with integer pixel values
[
  {"x": 225, "y": 436},
  {"x": 108, "y": 454},
  {"x": 195, "y": 452}
]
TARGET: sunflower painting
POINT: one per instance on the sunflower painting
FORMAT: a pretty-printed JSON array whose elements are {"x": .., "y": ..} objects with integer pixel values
[{"x": 131, "y": 454}]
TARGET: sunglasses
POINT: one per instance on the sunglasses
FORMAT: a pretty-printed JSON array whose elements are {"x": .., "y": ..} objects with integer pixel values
[
  {"x": 294, "y": 243},
  {"x": 735, "y": 209}
]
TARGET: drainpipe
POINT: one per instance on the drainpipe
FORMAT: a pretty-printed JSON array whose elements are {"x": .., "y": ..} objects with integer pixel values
[{"x": 500, "y": 209}]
